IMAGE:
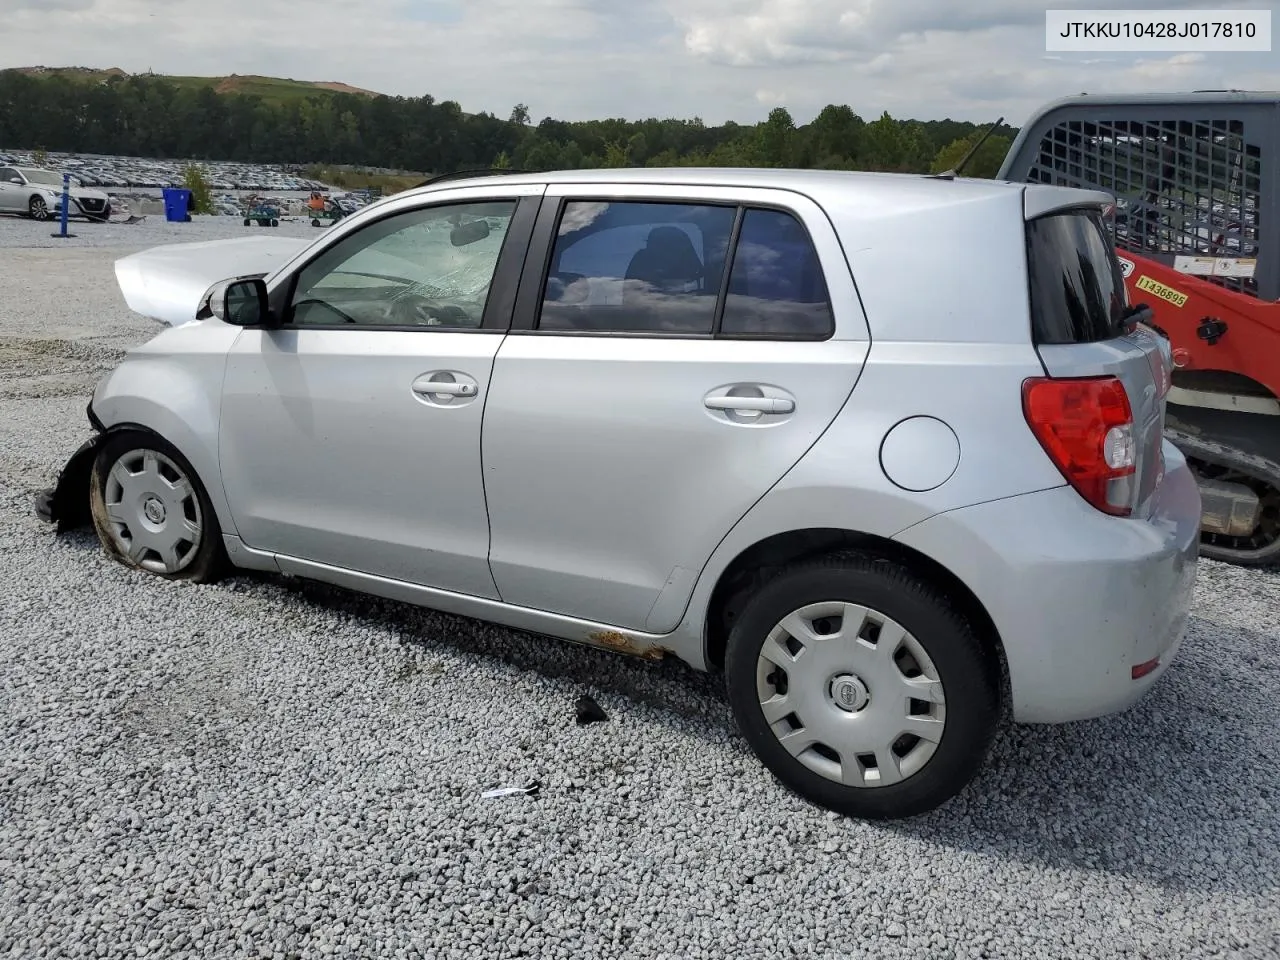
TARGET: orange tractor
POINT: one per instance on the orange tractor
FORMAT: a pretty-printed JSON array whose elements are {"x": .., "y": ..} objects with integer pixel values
[{"x": 1196, "y": 179}]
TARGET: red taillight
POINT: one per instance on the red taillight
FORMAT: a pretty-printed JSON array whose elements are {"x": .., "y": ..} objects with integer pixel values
[{"x": 1086, "y": 427}]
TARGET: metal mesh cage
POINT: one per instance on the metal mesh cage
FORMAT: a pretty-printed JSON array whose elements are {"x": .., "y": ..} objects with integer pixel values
[{"x": 1183, "y": 187}]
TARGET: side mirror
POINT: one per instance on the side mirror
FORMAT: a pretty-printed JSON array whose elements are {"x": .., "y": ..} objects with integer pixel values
[
  {"x": 17, "y": 180},
  {"x": 466, "y": 233},
  {"x": 241, "y": 302}
]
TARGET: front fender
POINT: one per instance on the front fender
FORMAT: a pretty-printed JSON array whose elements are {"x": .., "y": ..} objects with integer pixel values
[{"x": 176, "y": 394}]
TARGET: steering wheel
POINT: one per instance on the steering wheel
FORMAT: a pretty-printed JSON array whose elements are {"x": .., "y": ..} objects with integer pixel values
[{"x": 412, "y": 309}]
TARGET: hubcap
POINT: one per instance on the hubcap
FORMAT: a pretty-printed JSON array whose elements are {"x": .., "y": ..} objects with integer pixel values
[
  {"x": 851, "y": 694},
  {"x": 152, "y": 510}
]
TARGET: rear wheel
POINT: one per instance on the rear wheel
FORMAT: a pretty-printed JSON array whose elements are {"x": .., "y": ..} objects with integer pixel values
[
  {"x": 151, "y": 511},
  {"x": 38, "y": 209},
  {"x": 862, "y": 688}
]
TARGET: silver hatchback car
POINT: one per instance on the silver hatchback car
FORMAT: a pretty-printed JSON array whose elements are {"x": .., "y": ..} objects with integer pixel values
[{"x": 886, "y": 449}]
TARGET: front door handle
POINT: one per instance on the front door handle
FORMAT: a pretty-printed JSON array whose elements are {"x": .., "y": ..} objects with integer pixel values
[
  {"x": 430, "y": 387},
  {"x": 444, "y": 388},
  {"x": 752, "y": 404}
]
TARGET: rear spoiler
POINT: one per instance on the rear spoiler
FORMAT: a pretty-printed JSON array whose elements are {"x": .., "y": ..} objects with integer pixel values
[{"x": 1039, "y": 200}]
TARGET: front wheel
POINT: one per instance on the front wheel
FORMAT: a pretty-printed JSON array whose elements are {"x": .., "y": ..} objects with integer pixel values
[
  {"x": 862, "y": 688},
  {"x": 38, "y": 209},
  {"x": 151, "y": 511}
]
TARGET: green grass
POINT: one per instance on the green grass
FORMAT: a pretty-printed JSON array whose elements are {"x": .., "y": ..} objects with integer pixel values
[
  {"x": 274, "y": 89},
  {"x": 348, "y": 178}
]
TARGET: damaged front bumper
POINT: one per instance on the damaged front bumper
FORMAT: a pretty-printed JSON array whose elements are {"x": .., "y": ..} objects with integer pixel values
[{"x": 66, "y": 503}]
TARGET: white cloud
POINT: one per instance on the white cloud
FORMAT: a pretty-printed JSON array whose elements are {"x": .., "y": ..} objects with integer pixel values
[
  {"x": 575, "y": 59},
  {"x": 1169, "y": 69}
]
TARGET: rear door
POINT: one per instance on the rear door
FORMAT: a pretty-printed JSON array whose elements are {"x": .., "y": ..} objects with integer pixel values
[
  {"x": 1080, "y": 326},
  {"x": 674, "y": 352}
]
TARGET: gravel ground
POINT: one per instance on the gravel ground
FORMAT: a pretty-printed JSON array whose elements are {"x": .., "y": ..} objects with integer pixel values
[
  {"x": 20, "y": 232},
  {"x": 269, "y": 768}
]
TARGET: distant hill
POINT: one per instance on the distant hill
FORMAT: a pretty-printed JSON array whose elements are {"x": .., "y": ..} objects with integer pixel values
[
  {"x": 305, "y": 123},
  {"x": 269, "y": 88}
]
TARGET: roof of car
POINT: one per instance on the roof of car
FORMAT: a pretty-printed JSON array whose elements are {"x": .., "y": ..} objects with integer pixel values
[
  {"x": 898, "y": 189},
  {"x": 804, "y": 181}
]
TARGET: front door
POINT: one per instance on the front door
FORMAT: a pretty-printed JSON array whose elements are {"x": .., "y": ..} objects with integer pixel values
[
  {"x": 10, "y": 199},
  {"x": 680, "y": 356},
  {"x": 350, "y": 434}
]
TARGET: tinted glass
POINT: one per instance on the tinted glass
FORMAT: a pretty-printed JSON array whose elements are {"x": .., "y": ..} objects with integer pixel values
[
  {"x": 427, "y": 267},
  {"x": 7, "y": 174},
  {"x": 1077, "y": 294},
  {"x": 636, "y": 267},
  {"x": 42, "y": 176},
  {"x": 776, "y": 288}
]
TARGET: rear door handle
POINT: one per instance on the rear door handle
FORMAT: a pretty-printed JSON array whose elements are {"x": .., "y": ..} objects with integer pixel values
[{"x": 754, "y": 404}]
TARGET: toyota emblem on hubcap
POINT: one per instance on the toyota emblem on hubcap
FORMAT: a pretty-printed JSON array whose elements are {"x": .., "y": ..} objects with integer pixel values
[
  {"x": 153, "y": 510},
  {"x": 849, "y": 693}
]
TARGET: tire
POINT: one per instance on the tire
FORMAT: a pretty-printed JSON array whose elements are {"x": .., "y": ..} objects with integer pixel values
[
  {"x": 246, "y": 221},
  {"x": 119, "y": 511},
  {"x": 38, "y": 209},
  {"x": 845, "y": 691},
  {"x": 275, "y": 223},
  {"x": 315, "y": 222}
]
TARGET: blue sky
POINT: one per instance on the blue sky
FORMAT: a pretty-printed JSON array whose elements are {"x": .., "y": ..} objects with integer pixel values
[{"x": 578, "y": 59}]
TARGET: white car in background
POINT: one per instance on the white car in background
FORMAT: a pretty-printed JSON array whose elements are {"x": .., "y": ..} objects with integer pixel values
[{"x": 38, "y": 194}]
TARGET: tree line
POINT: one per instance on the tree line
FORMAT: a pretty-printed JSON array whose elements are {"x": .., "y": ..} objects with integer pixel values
[{"x": 151, "y": 116}]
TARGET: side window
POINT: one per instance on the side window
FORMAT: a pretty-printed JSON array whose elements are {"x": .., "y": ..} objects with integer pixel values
[
  {"x": 429, "y": 267},
  {"x": 635, "y": 267},
  {"x": 776, "y": 288},
  {"x": 7, "y": 174}
]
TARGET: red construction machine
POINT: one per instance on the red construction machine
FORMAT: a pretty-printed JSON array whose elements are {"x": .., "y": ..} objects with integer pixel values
[{"x": 1196, "y": 179}]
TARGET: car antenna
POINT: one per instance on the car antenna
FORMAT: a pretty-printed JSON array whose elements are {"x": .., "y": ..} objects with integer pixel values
[
  {"x": 955, "y": 171},
  {"x": 482, "y": 172}
]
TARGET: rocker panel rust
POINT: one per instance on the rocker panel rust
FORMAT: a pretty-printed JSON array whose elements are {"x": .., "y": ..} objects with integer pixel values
[{"x": 622, "y": 643}]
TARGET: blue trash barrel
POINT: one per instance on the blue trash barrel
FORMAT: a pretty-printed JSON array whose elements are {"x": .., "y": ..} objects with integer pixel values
[{"x": 175, "y": 204}]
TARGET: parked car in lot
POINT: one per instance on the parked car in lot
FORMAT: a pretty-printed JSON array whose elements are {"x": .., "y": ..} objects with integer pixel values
[
  {"x": 38, "y": 194},
  {"x": 886, "y": 449}
]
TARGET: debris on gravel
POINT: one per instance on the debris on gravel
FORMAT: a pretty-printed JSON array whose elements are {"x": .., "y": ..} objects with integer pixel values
[
  {"x": 588, "y": 711},
  {"x": 267, "y": 767}
]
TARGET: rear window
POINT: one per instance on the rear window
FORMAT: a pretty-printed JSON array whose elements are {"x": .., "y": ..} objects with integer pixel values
[{"x": 1077, "y": 293}]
